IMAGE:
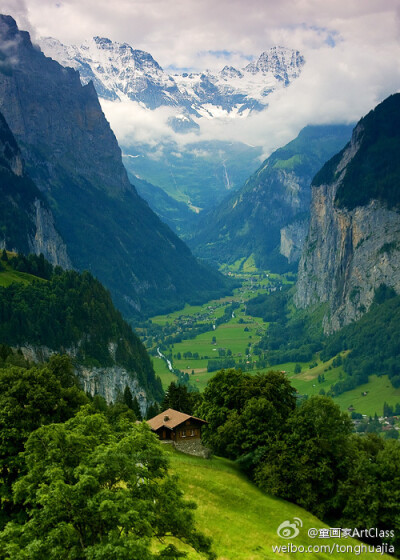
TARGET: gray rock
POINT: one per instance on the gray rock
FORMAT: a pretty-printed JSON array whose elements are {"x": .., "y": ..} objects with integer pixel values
[{"x": 348, "y": 253}]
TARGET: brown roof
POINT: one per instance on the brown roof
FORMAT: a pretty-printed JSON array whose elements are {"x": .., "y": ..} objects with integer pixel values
[{"x": 170, "y": 419}]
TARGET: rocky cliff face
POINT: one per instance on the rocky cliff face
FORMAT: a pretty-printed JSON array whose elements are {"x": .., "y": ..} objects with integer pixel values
[
  {"x": 72, "y": 155},
  {"x": 109, "y": 382},
  {"x": 26, "y": 220},
  {"x": 352, "y": 249},
  {"x": 256, "y": 219},
  {"x": 46, "y": 239},
  {"x": 293, "y": 237}
]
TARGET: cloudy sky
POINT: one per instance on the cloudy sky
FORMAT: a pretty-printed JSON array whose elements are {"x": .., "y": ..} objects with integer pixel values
[{"x": 351, "y": 47}]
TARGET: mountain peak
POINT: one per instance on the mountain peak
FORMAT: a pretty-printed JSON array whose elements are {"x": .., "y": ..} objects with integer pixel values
[
  {"x": 231, "y": 72},
  {"x": 119, "y": 71},
  {"x": 283, "y": 63}
]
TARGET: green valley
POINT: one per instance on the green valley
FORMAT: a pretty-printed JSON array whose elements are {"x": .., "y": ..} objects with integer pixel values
[{"x": 225, "y": 333}]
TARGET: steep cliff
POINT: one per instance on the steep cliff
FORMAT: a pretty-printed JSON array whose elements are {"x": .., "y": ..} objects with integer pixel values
[
  {"x": 72, "y": 155},
  {"x": 278, "y": 194},
  {"x": 353, "y": 242},
  {"x": 27, "y": 224}
]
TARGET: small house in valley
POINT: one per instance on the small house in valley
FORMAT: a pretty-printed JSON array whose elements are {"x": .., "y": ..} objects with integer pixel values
[{"x": 176, "y": 426}]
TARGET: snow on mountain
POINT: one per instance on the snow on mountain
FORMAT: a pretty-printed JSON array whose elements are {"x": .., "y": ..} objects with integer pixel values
[{"x": 120, "y": 72}]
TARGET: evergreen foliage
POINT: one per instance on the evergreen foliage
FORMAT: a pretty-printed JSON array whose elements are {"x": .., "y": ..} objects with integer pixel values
[
  {"x": 179, "y": 398},
  {"x": 71, "y": 310},
  {"x": 374, "y": 171},
  {"x": 374, "y": 342},
  {"x": 291, "y": 337},
  {"x": 245, "y": 412}
]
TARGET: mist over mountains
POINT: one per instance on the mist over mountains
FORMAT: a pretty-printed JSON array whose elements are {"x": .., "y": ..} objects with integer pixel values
[{"x": 73, "y": 157}]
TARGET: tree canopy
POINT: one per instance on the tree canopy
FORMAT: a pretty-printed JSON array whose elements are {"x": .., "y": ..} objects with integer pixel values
[{"x": 94, "y": 492}]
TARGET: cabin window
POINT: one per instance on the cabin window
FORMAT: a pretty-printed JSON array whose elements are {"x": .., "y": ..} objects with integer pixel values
[{"x": 183, "y": 433}]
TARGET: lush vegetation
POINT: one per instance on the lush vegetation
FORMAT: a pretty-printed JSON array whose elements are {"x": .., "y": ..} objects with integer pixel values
[
  {"x": 69, "y": 310},
  {"x": 306, "y": 454},
  {"x": 371, "y": 345},
  {"x": 374, "y": 171},
  {"x": 291, "y": 337},
  {"x": 29, "y": 398},
  {"x": 82, "y": 480},
  {"x": 241, "y": 519},
  {"x": 244, "y": 411},
  {"x": 374, "y": 342}
]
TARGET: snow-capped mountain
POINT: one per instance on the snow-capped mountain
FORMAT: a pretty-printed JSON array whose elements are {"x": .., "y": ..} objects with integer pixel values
[
  {"x": 117, "y": 70},
  {"x": 237, "y": 92},
  {"x": 120, "y": 72},
  {"x": 200, "y": 173}
]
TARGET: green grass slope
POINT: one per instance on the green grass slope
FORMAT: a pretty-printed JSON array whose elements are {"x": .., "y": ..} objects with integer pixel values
[{"x": 241, "y": 519}]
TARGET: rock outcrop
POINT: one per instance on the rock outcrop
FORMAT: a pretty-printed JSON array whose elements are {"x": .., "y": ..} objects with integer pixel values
[
  {"x": 293, "y": 237},
  {"x": 109, "y": 382},
  {"x": 26, "y": 219},
  {"x": 353, "y": 242}
]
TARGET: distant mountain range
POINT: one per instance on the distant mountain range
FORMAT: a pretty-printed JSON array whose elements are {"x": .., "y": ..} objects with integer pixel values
[
  {"x": 198, "y": 174},
  {"x": 268, "y": 216},
  {"x": 120, "y": 72}
]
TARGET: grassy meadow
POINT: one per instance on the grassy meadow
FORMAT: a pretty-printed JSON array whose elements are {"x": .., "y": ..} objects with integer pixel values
[{"x": 239, "y": 517}]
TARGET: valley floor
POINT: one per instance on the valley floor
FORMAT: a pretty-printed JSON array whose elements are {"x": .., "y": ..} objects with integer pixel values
[{"x": 236, "y": 338}]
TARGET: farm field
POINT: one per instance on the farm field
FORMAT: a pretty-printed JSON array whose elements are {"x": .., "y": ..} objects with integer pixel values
[
  {"x": 237, "y": 337},
  {"x": 378, "y": 389}
]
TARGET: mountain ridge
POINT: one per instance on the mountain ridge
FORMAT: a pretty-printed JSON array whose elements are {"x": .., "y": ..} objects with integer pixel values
[
  {"x": 268, "y": 216},
  {"x": 73, "y": 156},
  {"x": 352, "y": 246},
  {"x": 120, "y": 72}
]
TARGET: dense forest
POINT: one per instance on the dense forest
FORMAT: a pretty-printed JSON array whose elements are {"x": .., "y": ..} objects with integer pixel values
[
  {"x": 374, "y": 171},
  {"x": 291, "y": 336},
  {"x": 68, "y": 310}
]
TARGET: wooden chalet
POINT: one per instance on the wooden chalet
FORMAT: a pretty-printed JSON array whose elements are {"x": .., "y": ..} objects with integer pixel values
[{"x": 176, "y": 426}]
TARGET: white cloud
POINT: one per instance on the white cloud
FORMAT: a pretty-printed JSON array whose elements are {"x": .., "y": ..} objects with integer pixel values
[
  {"x": 337, "y": 85},
  {"x": 352, "y": 49}
]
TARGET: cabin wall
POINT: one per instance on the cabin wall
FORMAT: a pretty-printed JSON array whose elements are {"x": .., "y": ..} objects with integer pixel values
[{"x": 188, "y": 430}]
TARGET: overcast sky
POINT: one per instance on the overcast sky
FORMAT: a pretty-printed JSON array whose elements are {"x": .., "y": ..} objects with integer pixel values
[{"x": 351, "y": 47}]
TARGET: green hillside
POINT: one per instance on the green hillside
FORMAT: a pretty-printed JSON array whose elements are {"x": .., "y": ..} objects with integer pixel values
[
  {"x": 374, "y": 171},
  {"x": 241, "y": 519},
  {"x": 43, "y": 305},
  {"x": 248, "y": 221}
]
